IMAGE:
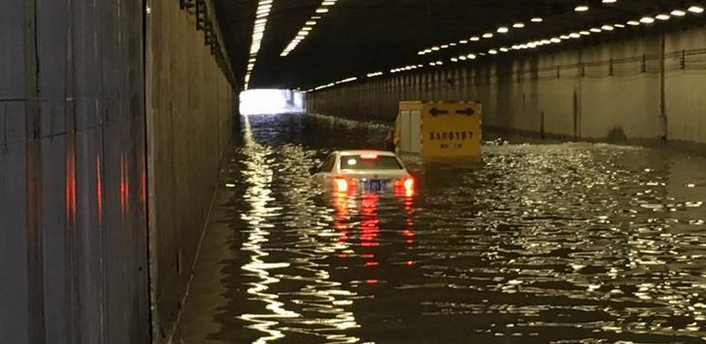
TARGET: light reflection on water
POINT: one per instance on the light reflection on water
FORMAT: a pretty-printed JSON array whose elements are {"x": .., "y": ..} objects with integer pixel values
[{"x": 560, "y": 243}]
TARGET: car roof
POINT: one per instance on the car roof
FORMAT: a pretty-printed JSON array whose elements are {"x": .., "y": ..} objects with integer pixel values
[{"x": 361, "y": 152}]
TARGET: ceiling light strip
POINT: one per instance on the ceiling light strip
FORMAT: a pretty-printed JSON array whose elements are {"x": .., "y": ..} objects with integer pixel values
[
  {"x": 502, "y": 30},
  {"x": 264, "y": 7},
  {"x": 309, "y": 25},
  {"x": 645, "y": 20}
]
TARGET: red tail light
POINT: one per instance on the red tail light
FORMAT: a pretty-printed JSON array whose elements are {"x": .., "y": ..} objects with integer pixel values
[
  {"x": 409, "y": 183},
  {"x": 341, "y": 184},
  {"x": 405, "y": 186}
]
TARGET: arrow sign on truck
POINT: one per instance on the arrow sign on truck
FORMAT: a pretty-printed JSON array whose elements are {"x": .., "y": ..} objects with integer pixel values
[
  {"x": 467, "y": 112},
  {"x": 436, "y": 112}
]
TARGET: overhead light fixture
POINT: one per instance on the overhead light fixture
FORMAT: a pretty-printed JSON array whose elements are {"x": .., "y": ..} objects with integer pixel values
[
  {"x": 537, "y": 20},
  {"x": 518, "y": 25},
  {"x": 696, "y": 9},
  {"x": 488, "y": 35},
  {"x": 609, "y": 1},
  {"x": 607, "y": 28},
  {"x": 633, "y": 23},
  {"x": 663, "y": 16},
  {"x": 647, "y": 20},
  {"x": 503, "y": 30},
  {"x": 308, "y": 25},
  {"x": 678, "y": 13},
  {"x": 581, "y": 8},
  {"x": 261, "y": 13}
]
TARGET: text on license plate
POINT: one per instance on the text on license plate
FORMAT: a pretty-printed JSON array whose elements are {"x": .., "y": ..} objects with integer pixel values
[{"x": 375, "y": 184}]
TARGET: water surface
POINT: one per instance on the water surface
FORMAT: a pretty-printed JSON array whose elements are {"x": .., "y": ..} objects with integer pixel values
[{"x": 539, "y": 243}]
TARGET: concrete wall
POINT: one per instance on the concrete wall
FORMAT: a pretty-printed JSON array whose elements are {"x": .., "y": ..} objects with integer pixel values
[
  {"x": 73, "y": 224},
  {"x": 82, "y": 161},
  {"x": 607, "y": 91},
  {"x": 189, "y": 112}
]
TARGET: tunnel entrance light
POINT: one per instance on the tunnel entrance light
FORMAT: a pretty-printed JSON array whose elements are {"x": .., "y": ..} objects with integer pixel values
[{"x": 271, "y": 101}]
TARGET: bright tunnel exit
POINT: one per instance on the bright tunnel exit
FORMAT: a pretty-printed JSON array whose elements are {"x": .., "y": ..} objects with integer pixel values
[{"x": 271, "y": 101}]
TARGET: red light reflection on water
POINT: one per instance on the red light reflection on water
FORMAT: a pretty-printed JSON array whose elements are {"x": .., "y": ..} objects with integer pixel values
[
  {"x": 370, "y": 226},
  {"x": 340, "y": 224}
]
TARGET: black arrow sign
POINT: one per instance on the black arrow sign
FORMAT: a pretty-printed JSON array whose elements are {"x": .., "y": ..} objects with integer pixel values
[
  {"x": 467, "y": 112},
  {"x": 435, "y": 112}
]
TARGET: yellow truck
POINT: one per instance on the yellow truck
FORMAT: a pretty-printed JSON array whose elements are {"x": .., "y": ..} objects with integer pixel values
[{"x": 439, "y": 129}]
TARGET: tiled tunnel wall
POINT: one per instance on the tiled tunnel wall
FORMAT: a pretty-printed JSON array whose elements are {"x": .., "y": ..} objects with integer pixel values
[
  {"x": 111, "y": 133},
  {"x": 606, "y": 91}
]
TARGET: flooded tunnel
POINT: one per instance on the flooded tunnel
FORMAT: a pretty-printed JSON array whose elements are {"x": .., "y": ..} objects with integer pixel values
[
  {"x": 337, "y": 171},
  {"x": 541, "y": 242}
]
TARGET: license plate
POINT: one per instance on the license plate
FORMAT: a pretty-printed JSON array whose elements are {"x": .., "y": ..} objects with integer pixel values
[{"x": 375, "y": 185}]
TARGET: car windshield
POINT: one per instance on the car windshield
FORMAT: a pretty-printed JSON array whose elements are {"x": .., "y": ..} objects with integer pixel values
[{"x": 369, "y": 162}]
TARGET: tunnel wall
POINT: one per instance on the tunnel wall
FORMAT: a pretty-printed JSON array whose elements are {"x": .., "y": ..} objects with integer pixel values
[
  {"x": 189, "y": 116},
  {"x": 73, "y": 224},
  {"x": 624, "y": 89}
]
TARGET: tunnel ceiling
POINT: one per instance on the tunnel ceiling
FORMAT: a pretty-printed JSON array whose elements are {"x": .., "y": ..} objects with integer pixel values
[{"x": 357, "y": 37}]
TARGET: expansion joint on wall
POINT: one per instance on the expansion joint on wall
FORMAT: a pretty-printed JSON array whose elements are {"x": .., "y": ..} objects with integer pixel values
[
  {"x": 682, "y": 60},
  {"x": 611, "y": 70},
  {"x": 643, "y": 64}
]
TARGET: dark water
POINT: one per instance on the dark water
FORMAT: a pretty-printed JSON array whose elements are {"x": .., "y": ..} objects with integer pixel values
[{"x": 541, "y": 243}]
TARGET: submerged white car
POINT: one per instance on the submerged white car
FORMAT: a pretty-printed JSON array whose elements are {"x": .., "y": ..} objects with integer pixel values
[{"x": 364, "y": 170}]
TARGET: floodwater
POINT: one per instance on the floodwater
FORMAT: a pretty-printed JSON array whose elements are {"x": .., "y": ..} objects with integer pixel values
[{"x": 539, "y": 243}]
